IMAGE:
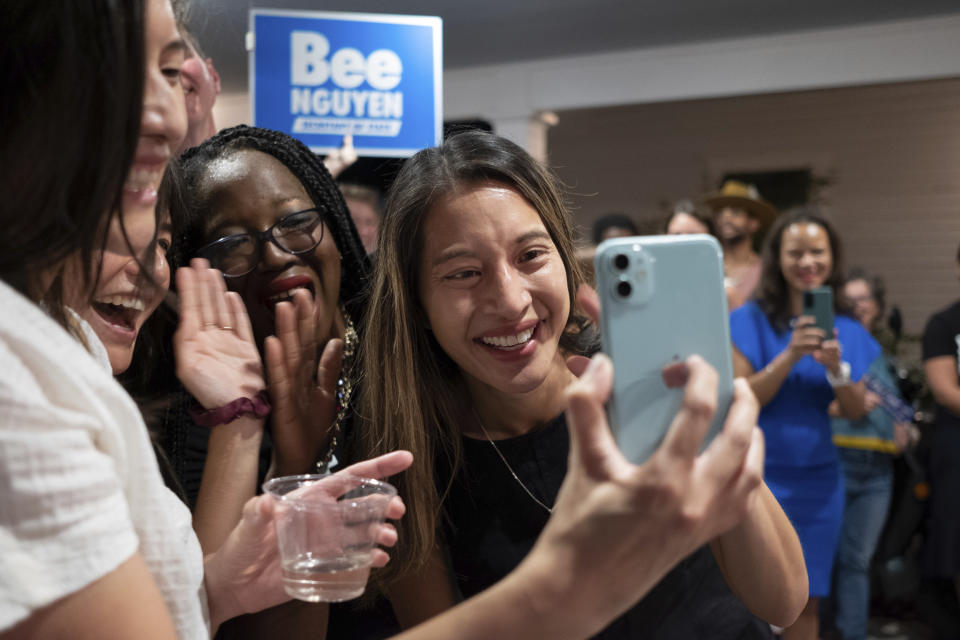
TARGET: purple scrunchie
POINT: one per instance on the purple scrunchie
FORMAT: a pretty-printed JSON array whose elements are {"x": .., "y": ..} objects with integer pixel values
[{"x": 258, "y": 405}]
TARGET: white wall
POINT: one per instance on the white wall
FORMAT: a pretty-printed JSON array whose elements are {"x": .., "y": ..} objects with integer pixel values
[
  {"x": 232, "y": 109},
  {"x": 887, "y": 52}
]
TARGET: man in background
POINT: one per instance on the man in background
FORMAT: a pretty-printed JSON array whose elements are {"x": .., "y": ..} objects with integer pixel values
[
  {"x": 201, "y": 86},
  {"x": 364, "y": 205},
  {"x": 738, "y": 213}
]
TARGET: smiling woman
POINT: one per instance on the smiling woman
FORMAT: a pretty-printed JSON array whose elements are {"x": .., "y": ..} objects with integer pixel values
[
  {"x": 491, "y": 229},
  {"x": 262, "y": 210},
  {"x": 796, "y": 370},
  {"x": 131, "y": 274},
  {"x": 245, "y": 182},
  {"x": 267, "y": 236},
  {"x": 474, "y": 290}
]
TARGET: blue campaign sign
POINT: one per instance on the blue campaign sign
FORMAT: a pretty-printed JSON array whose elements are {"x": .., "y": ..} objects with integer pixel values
[{"x": 321, "y": 75}]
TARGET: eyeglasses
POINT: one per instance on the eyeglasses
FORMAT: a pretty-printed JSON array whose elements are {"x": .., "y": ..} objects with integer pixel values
[{"x": 239, "y": 254}]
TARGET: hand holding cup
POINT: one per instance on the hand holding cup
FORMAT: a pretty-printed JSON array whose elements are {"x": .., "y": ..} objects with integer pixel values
[{"x": 328, "y": 527}]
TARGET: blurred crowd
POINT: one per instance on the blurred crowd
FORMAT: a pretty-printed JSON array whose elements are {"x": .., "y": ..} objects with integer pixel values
[{"x": 894, "y": 546}]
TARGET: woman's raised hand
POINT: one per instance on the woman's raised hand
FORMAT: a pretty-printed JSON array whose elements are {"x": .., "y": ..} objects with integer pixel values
[
  {"x": 830, "y": 354},
  {"x": 217, "y": 358},
  {"x": 303, "y": 388},
  {"x": 805, "y": 339}
]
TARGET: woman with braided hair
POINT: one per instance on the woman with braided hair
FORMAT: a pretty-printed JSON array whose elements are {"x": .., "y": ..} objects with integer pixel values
[{"x": 260, "y": 208}]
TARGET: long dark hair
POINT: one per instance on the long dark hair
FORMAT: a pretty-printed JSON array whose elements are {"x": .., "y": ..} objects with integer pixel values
[
  {"x": 72, "y": 78},
  {"x": 413, "y": 396},
  {"x": 774, "y": 295}
]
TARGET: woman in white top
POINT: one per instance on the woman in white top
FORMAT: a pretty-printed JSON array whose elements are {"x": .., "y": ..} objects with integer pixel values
[
  {"x": 90, "y": 535},
  {"x": 92, "y": 545}
]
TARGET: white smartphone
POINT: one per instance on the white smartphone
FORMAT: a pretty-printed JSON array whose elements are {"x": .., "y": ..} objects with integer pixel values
[{"x": 662, "y": 300}]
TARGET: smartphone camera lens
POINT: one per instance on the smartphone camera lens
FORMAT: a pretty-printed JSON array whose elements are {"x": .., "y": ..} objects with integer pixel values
[
  {"x": 808, "y": 299},
  {"x": 624, "y": 289},
  {"x": 621, "y": 261}
]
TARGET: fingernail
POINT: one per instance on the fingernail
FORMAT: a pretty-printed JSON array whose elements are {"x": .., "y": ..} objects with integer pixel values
[
  {"x": 602, "y": 370},
  {"x": 590, "y": 371},
  {"x": 675, "y": 375}
]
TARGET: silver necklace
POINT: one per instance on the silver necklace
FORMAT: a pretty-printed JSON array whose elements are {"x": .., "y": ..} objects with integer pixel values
[{"x": 507, "y": 464}]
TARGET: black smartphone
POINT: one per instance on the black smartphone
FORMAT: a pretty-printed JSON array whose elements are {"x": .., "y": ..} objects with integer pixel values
[{"x": 819, "y": 304}]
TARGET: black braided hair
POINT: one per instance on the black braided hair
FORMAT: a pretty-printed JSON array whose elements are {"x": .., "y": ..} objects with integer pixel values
[{"x": 312, "y": 174}]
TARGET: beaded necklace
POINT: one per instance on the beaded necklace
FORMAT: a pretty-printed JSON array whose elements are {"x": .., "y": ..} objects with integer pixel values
[{"x": 344, "y": 388}]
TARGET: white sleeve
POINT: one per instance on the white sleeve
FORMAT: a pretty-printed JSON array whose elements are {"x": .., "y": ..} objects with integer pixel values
[{"x": 64, "y": 521}]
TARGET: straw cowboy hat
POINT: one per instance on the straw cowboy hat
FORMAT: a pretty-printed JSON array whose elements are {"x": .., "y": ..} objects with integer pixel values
[{"x": 744, "y": 196}]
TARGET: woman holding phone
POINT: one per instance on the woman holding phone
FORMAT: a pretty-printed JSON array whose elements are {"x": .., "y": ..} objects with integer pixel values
[
  {"x": 796, "y": 369},
  {"x": 475, "y": 285}
]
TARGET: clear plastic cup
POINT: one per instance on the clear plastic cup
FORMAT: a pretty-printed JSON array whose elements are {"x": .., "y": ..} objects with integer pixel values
[{"x": 327, "y": 527}]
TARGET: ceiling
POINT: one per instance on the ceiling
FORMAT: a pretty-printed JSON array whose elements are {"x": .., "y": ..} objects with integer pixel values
[{"x": 498, "y": 31}]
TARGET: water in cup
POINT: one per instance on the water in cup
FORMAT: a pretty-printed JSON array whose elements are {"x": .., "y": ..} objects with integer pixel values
[
  {"x": 327, "y": 528},
  {"x": 326, "y": 579}
]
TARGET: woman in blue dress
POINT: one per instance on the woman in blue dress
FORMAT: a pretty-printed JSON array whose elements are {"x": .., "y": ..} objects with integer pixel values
[{"x": 796, "y": 371}]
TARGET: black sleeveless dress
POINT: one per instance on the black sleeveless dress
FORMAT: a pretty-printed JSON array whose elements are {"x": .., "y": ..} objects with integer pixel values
[{"x": 491, "y": 524}]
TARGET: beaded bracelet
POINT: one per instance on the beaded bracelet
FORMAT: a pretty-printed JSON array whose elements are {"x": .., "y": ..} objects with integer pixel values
[{"x": 258, "y": 405}]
